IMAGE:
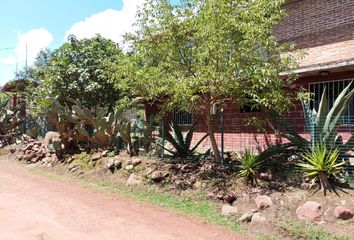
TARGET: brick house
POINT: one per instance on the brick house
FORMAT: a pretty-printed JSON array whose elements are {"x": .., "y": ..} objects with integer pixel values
[{"x": 325, "y": 28}]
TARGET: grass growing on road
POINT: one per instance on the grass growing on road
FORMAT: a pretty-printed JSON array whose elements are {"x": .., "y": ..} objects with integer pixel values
[{"x": 198, "y": 206}]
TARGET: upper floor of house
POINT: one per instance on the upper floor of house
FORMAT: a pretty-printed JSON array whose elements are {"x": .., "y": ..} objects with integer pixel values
[{"x": 324, "y": 27}]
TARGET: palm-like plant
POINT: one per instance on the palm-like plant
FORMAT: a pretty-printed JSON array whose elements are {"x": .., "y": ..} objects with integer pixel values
[
  {"x": 323, "y": 125},
  {"x": 250, "y": 165},
  {"x": 321, "y": 163},
  {"x": 182, "y": 144}
]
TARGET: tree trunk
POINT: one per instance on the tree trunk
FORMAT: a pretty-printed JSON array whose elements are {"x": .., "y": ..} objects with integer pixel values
[
  {"x": 325, "y": 184},
  {"x": 214, "y": 144}
]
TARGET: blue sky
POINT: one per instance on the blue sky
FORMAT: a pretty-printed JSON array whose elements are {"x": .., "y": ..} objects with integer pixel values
[{"x": 46, "y": 23}]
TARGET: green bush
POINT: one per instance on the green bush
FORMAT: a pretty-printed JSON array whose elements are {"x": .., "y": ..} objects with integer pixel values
[
  {"x": 321, "y": 163},
  {"x": 250, "y": 165},
  {"x": 181, "y": 144}
]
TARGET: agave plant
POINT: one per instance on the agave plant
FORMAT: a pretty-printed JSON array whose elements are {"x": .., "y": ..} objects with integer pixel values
[
  {"x": 250, "y": 165},
  {"x": 322, "y": 124},
  {"x": 321, "y": 163},
  {"x": 181, "y": 144}
]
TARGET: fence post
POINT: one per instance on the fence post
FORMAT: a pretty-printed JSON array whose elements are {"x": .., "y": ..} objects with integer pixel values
[
  {"x": 162, "y": 138},
  {"x": 222, "y": 135},
  {"x": 313, "y": 131}
]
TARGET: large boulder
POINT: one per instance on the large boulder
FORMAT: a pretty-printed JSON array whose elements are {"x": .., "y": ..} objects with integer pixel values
[
  {"x": 49, "y": 138},
  {"x": 247, "y": 217},
  {"x": 263, "y": 202},
  {"x": 96, "y": 156},
  {"x": 228, "y": 210},
  {"x": 134, "y": 179},
  {"x": 258, "y": 218},
  {"x": 310, "y": 211},
  {"x": 135, "y": 161},
  {"x": 158, "y": 176},
  {"x": 343, "y": 213},
  {"x": 112, "y": 164},
  {"x": 229, "y": 198},
  {"x": 28, "y": 147}
]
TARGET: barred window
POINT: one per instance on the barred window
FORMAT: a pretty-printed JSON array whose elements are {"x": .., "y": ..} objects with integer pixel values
[
  {"x": 333, "y": 89},
  {"x": 183, "y": 117}
]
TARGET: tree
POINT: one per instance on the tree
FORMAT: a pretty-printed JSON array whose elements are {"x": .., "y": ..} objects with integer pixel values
[
  {"x": 78, "y": 70},
  {"x": 199, "y": 53},
  {"x": 36, "y": 71}
]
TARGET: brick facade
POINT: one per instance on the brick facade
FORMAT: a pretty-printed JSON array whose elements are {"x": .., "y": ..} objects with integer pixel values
[{"x": 312, "y": 23}]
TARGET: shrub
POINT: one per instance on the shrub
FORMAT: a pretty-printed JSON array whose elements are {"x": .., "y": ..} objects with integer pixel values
[
  {"x": 321, "y": 163},
  {"x": 85, "y": 161},
  {"x": 182, "y": 144},
  {"x": 250, "y": 165}
]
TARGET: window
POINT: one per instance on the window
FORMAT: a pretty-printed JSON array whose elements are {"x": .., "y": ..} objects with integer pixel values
[
  {"x": 183, "y": 117},
  {"x": 333, "y": 89},
  {"x": 249, "y": 109}
]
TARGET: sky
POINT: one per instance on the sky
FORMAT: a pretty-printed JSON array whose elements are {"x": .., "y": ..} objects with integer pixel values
[{"x": 41, "y": 24}]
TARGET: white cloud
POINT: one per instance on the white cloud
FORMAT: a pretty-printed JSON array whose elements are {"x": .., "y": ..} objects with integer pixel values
[
  {"x": 111, "y": 24},
  {"x": 36, "y": 40},
  {"x": 10, "y": 60}
]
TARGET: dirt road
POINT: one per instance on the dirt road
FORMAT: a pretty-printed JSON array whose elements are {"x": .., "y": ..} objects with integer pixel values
[{"x": 34, "y": 207}]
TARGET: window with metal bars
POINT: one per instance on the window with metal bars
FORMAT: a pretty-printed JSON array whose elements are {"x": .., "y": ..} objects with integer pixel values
[
  {"x": 183, "y": 117},
  {"x": 333, "y": 89}
]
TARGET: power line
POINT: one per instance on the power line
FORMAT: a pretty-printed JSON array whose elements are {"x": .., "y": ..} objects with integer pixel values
[{"x": 9, "y": 48}]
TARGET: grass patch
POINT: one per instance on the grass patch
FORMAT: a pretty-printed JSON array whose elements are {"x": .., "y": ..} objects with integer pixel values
[
  {"x": 198, "y": 206},
  {"x": 304, "y": 231}
]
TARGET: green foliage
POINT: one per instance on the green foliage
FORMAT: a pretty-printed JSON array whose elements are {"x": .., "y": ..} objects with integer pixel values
[
  {"x": 84, "y": 161},
  {"x": 250, "y": 165},
  {"x": 37, "y": 70},
  {"x": 63, "y": 119},
  {"x": 145, "y": 129},
  {"x": 111, "y": 154},
  {"x": 77, "y": 124},
  {"x": 195, "y": 54},
  {"x": 73, "y": 124},
  {"x": 7, "y": 117},
  {"x": 303, "y": 231},
  {"x": 99, "y": 130},
  {"x": 124, "y": 126},
  {"x": 322, "y": 125},
  {"x": 78, "y": 70},
  {"x": 181, "y": 144},
  {"x": 319, "y": 163}
]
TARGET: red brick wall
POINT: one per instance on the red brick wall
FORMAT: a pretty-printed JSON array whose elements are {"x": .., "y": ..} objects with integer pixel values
[
  {"x": 239, "y": 137},
  {"x": 312, "y": 23}
]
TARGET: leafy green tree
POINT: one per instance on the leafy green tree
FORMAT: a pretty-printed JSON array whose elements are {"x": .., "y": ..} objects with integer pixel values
[
  {"x": 198, "y": 53},
  {"x": 36, "y": 71},
  {"x": 78, "y": 70}
]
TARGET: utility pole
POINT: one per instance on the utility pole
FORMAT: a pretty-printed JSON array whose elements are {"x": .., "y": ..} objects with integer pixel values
[
  {"x": 16, "y": 66},
  {"x": 26, "y": 56}
]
